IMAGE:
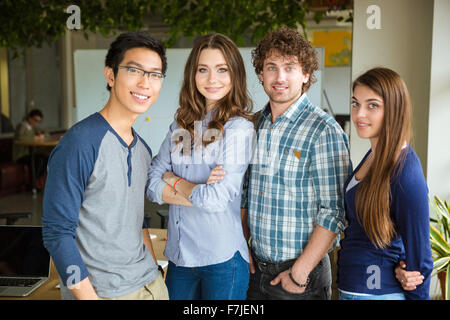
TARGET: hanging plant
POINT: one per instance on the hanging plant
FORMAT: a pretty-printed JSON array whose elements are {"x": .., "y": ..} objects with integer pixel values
[
  {"x": 25, "y": 23},
  {"x": 238, "y": 19}
]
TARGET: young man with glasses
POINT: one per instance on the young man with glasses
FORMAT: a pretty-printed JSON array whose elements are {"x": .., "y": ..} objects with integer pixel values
[{"x": 94, "y": 197}]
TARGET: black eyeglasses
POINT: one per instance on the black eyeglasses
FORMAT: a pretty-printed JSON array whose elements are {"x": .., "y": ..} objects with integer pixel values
[{"x": 135, "y": 72}]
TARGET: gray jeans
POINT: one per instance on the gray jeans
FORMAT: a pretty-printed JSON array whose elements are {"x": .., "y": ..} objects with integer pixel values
[{"x": 319, "y": 287}]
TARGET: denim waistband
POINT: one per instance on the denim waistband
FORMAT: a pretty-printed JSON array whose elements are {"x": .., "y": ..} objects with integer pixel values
[{"x": 275, "y": 268}]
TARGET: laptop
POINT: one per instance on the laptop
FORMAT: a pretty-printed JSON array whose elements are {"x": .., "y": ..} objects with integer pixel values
[{"x": 24, "y": 262}]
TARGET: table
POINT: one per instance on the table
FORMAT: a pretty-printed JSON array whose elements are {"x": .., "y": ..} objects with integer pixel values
[
  {"x": 12, "y": 217},
  {"x": 32, "y": 145},
  {"x": 48, "y": 290}
]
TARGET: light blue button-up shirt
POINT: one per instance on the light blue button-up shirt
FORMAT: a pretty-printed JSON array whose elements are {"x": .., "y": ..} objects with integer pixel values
[{"x": 210, "y": 232}]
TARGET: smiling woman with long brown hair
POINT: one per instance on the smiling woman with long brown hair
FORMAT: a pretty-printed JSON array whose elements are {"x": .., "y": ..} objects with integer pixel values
[
  {"x": 206, "y": 248},
  {"x": 194, "y": 103},
  {"x": 386, "y": 197}
]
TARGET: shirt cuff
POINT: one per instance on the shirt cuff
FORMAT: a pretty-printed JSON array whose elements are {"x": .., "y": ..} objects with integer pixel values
[
  {"x": 330, "y": 222},
  {"x": 159, "y": 192},
  {"x": 194, "y": 198},
  {"x": 200, "y": 198}
]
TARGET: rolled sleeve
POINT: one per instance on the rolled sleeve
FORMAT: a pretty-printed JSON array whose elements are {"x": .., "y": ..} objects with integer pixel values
[{"x": 330, "y": 168}]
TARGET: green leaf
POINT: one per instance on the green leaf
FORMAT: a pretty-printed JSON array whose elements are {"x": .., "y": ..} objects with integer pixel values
[
  {"x": 436, "y": 249},
  {"x": 442, "y": 208},
  {"x": 440, "y": 241},
  {"x": 440, "y": 263},
  {"x": 434, "y": 273},
  {"x": 318, "y": 16},
  {"x": 441, "y": 212}
]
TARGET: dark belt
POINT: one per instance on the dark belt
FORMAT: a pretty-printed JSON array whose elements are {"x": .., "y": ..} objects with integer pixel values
[{"x": 272, "y": 268}]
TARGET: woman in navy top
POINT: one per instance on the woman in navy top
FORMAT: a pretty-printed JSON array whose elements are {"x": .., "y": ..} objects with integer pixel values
[
  {"x": 386, "y": 199},
  {"x": 206, "y": 248}
]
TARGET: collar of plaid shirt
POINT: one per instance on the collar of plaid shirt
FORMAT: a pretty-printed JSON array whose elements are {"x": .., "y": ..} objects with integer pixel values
[{"x": 292, "y": 112}]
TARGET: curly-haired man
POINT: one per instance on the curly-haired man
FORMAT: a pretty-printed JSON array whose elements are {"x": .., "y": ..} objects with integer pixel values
[{"x": 293, "y": 199}]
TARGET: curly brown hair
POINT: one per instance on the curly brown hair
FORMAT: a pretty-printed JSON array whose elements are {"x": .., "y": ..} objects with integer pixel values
[{"x": 287, "y": 42}]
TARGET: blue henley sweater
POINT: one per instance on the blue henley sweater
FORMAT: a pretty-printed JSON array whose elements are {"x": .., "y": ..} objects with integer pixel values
[
  {"x": 94, "y": 209},
  {"x": 363, "y": 268}
]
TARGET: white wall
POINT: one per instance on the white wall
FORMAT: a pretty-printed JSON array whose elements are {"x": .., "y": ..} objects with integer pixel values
[
  {"x": 403, "y": 43},
  {"x": 336, "y": 82},
  {"x": 439, "y": 117}
]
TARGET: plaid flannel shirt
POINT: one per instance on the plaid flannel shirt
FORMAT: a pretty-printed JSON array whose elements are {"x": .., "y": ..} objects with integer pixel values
[{"x": 295, "y": 180}]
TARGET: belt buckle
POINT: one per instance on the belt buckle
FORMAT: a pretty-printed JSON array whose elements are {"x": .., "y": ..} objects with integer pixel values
[{"x": 262, "y": 266}]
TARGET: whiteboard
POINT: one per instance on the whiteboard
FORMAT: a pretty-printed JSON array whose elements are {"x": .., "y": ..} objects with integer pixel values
[{"x": 91, "y": 93}]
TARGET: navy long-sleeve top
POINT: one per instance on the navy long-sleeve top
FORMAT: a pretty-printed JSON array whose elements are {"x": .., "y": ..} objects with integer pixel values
[{"x": 364, "y": 268}]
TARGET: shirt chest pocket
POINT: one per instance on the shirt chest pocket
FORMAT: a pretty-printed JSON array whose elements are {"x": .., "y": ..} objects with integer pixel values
[{"x": 293, "y": 167}]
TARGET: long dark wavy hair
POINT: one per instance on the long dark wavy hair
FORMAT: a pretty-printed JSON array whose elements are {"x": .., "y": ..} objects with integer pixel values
[
  {"x": 374, "y": 193},
  {"x": 193, "y": 104}
]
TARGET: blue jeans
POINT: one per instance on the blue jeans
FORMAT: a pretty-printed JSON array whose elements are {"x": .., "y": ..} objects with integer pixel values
[
  {"x": 223, "y": 281},
  {"x": 389, "y": 296}
]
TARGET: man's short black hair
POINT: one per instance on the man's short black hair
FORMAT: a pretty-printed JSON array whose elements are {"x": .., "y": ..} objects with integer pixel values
[
  {"x": 34, "y": 113},
  {"x": 130, "y": 40}
]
